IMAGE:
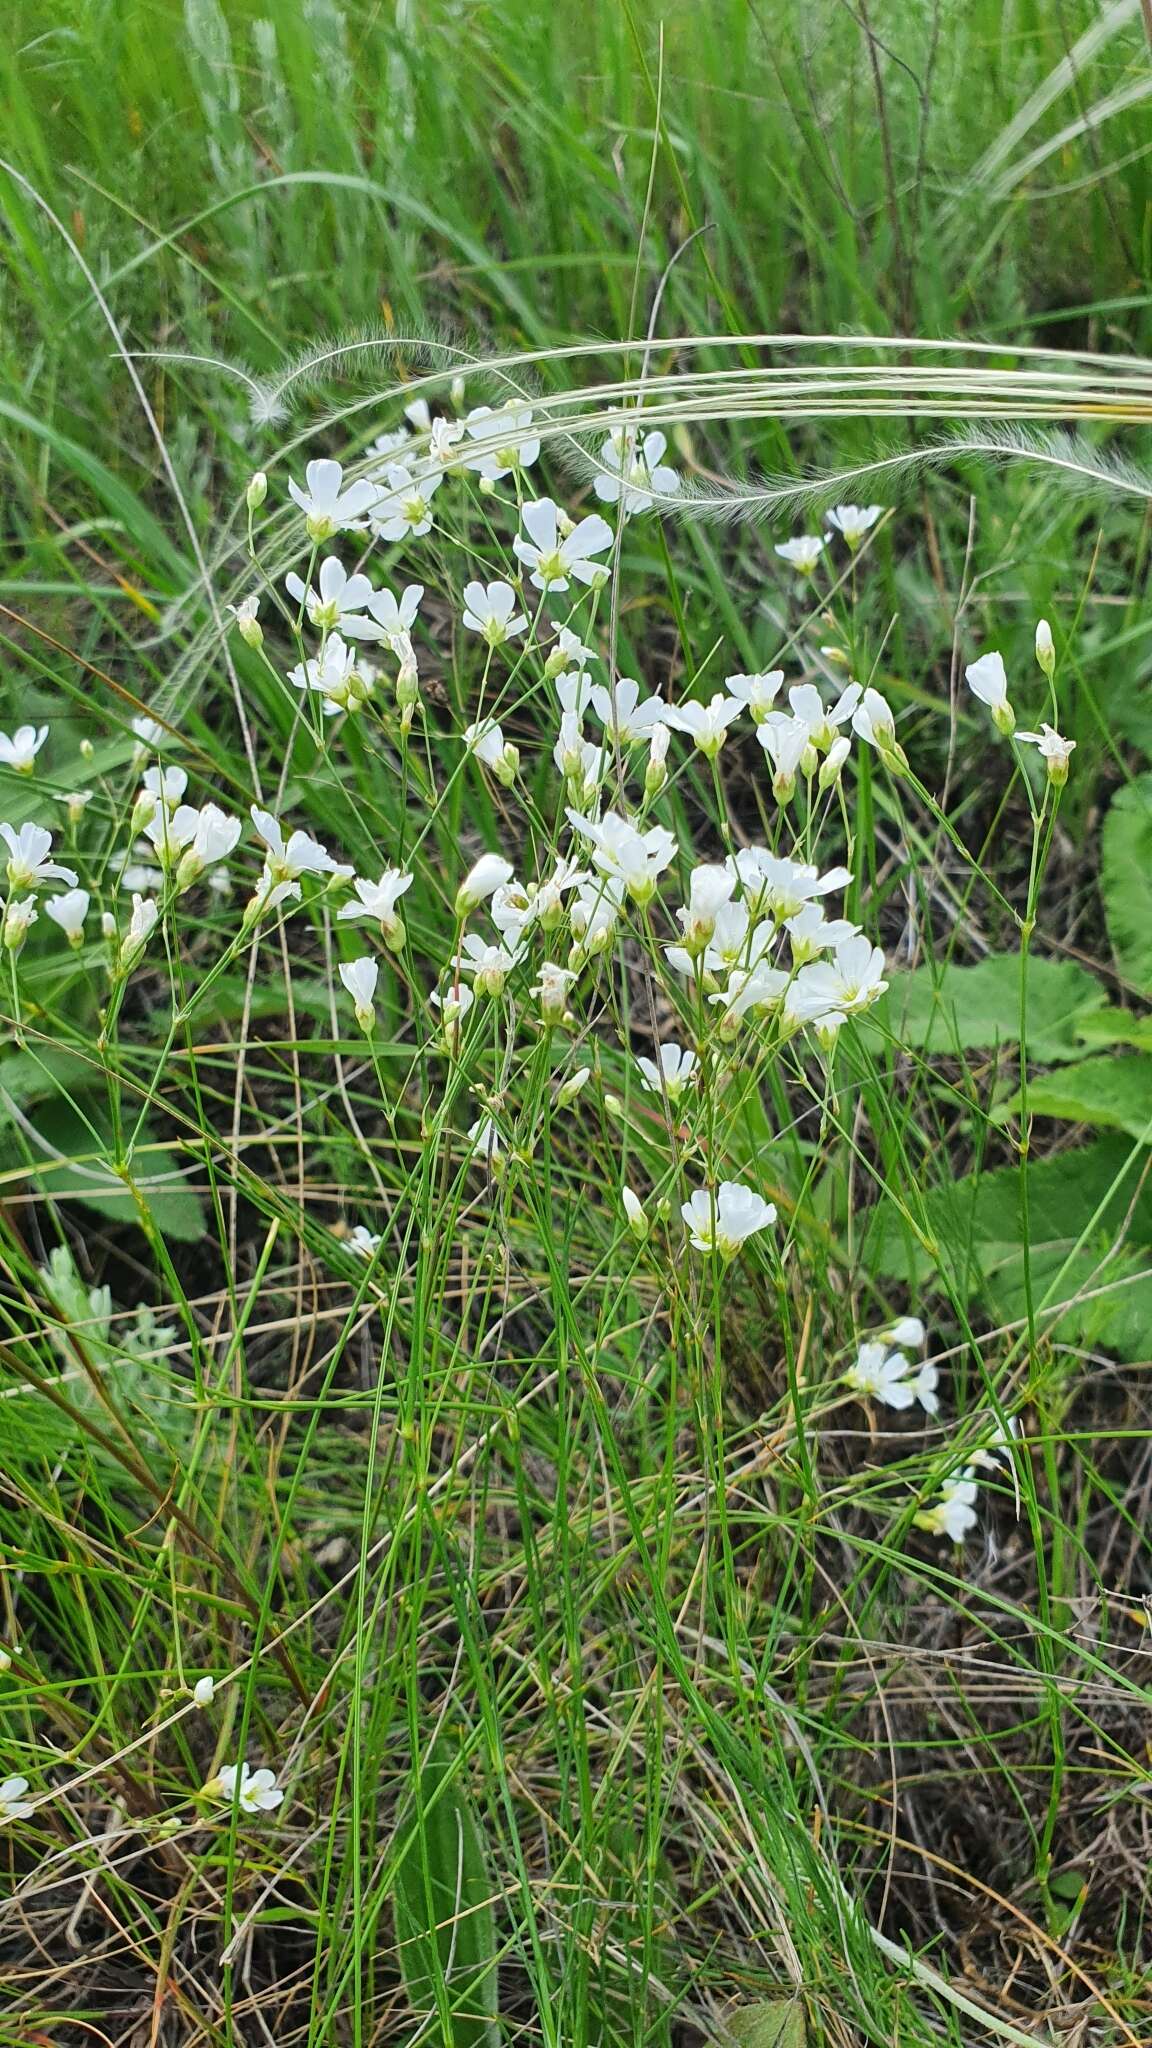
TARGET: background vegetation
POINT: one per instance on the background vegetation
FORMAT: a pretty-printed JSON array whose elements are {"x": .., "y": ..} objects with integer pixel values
[{"x": 454, "y": 1542}]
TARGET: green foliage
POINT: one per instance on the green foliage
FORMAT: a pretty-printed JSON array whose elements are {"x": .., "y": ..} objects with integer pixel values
[
  {"x": 1125, "y": 872},
  {"x": 966, "y": 1009},
  {"x": 445, "y": 1925},
  {"x": 1113, "y": 1094},
  {"x": 772, "y": 2023}
]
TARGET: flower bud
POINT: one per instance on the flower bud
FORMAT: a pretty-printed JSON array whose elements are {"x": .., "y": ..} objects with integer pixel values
[
  {"x": 634, "y": 1212},
  {"x": 830, "y": 768},
  {"x": 456, "y": 394},
  {"x": 257, "y": 491},
  {"x": 86, "y": 750},
  {"x": 1004, "y": 718},
  {"x": 570, "y": 1089},
  {"x": 18, "y": 920},
  {"x": 505, "y": 769},
  {"x": 1045, "y": 648}
]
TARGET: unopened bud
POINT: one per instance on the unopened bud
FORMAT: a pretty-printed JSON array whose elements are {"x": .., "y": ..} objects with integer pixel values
[
  {"x": 634, "y": 1212},
  {"x": 257, "y": 491},
  {"x": 830, "y": 768},
  {"x": 567, "y": 1093},
  {"x": 86, "y": 750},
  {"x": 1045, "y": 647}
]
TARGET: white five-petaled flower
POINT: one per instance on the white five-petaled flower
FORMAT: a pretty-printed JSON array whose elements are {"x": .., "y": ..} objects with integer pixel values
[
  {"x": 338, "y": 604},
  {"x": 1054, "y": 751},
  {"x": 773, "y": 882},
  {"x": 337, "y": 676},
  {"x": 364, "y": 1242},
  {"x": 28, "y": 862},
  {"x": 788, "y": 744},
  {"x": 710, "y": 887},
  {"x": 327, "y": 504},
  {"x": 491, "y": 609},
  {"x": 625, "y": 715},
  {"x": 987, "y": 680},
  {"x": 13, "y": 1805},
  {"x": 252, "y": 1791},
  {"x": 359, "y": 978},
  {"x": 722, "y": 1219},
  {"x": 873, "y": 720},
  {"x": 141, "y": 925},
  {"x": 150, "y": 734},
  {"x": 402, "y": 510},
  {"x": 487, "y": 1144},
  {"x": 851, "y": 980},
  {"x": 671, "y": 1071},
  {"x": 953, "y": 1513},
  {"x": 288, "y": 859},
  {"x": 507, "y": 437},
  {"x": 397, "y": 615},
  {"x": 758, "y": 692},
  {"x": 378, "y": 900},
  {"x": 570, "y": 651},
  {"x": 853, "y": 521},
  {"x": 554, "y": 560},
  {"x": 803, "y": 554},
  {"x": 618, "y": 849},
  {"x": 488, "y": 965},
  {"x": 633, "y": 471},
  {"x": 19, "y": 749},
  {"x": 69, "y": 912},
  {"x": 822, "y": 720},
  {"x": 889, "y": 1378},
  {"x": 706, "y": 724}
]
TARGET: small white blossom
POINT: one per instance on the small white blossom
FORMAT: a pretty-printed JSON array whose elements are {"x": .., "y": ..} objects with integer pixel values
[
  {"x": 403, "y": 511},
  {"x": 19, "y": 750},
  {"x": 203, "y": 1691},
  {"x": 336, "y": 675},
  {"x": 247, "y": 623},
  {"x": 19, "y": 917},
  {"x": 13, "y": 1805},
  {"x": 1045, "y": 647},
  {"x": 618, "y": 849},
  {"x": 359, "y": 978},
  {"x": 252, "y": 1791},
  {"x": 853, "y": 521},
  {"x": 625, "y": 715},
  {"x": 823, "y": 721},
  {"x": 802, "y": 554},
  {"x": 874, "y": 722},
  {"x": 987, "y": 680},
  {"x": 850, "y": 981},
  {"x": 723, "y": 1219},
  {"x": 489, "y": 745},
  {"x": 953, "y": 1513},
  {"x": 671, "y": 1071},
  {"x": 758, "y": 692},
  {"x": 634, "y": 1213},
  {"x": 506, "y": 432},
  {"x": 328, "y": 506},
  {"x": 141, "y": 925},
  {"x": 364, "y": 1242},
  {"x": 552, "y": 560},
  {"x": 889, "y": 1378},
  {"x": 287, "y": 860},
  {"x": 338, "y": 605},
  {"x": 28, "y": 862},
  {"x": 706, "y": 724},
  {"x": 397, "y": 615},
  {"x": 633, "y": 470},
  {"x": 787, "y": 743},
  {"x": 1054, "y": 751},
  {"x": 490, "y": 873},
  {"x": 378, "y": 900},
  {"x": 491, "y": 609},
  {"x": 69, "y": 912}
]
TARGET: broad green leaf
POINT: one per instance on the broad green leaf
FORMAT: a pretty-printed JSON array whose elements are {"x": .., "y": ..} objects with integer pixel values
[
  {"x": 30, "y": 1077},
  {"x": 977, "y": 1224},
  {"x": 445, "y": 1927},
  {"x": 66, "y": 1163},
  {"x": 1112, "y": 1094},
  {"x": 1125, "y": 867},
  {"x": 968, "y": 1009},
  {"x": 773, "y": 2023},
  {"x": 1115, "y": 1027}
]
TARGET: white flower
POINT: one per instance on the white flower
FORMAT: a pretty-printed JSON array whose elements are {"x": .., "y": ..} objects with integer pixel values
[
  {"x": 758, "y": 692},
  {"x": 722, "y": 1220},
  {"x": 1045, "y": 647},
  {"x": 574, "y": 693},
  {"x": 339, "y": 603},
  {"x": 554, "y": 561},
  {"x": 486, "y": 1143},
  {"x": 7, "y": 1655},
  {"x": 804, "y": 552},
  {"x": 998, "y": 1449},
  {"x": 851, "y": 980},
  {"x": 19, "y": 917},
  {"x": 13, "y": 1805},
  {"x": 141, "y": 925},
  {"x": 552, "y": 989},
  {"x": 748, "y": 989},
  {"x": 364, "y": 1242},
  {"x": 670, "y": 1072},
  {"x": 207, "y": 835},
  {"x": 874, "y": 722},
  {"x": 632, "y": 470},
  {"x": 397, "y": 616},
  {"x": 28, "y": 863},
  {"x": 811, "y": 933},
  {"x": 506, "y": 432},
  {"x": 707, "y": 724},
  {"x": 159, "y": 786},
  {"x": 636, "y": 858},
  {"x": 953, "y": 1513},
  {"x": 444, "y": 439},
  {"x": 987, "y": 681},
  {"x": 786, "y": 741},
  {"x": 488, "y": 965},
  {"x": 489, "y": 609},
  {"x": 76, "y": 803},
  {"x": 203, "y": 1692},
  {"x": 150, "y": 735},
  {"x": 572, "y": 648},
  {"x": 404, "y": 510},
  {"x": 623, "y": 713},
  {"x": 853, "y": 521},
  {"x": 335, "y": 675},
  {"x": 287, "y": 860},
  {"x": 253, "y": 1791},
  {"x": 490, "y": 873},
  {"x": 1054, "y": 752},
  {"x": 823, "y": 721},
  {"x": 634, "y": 1213},
  {"x": 710, "y": 887},
  {"x": 69, "y": 912},
  {"x": 359, "y": 978},
  {"x": 884, "y": 1374},
  {"x": 595, "y": 913},
  {"x": 378, "y": 900},
  {"x": 327, "y": 506},
  {"x": 489, "y": 745},
  {"x": 907, "y": 1333},
  {"x": 19, "y": 752},
  {"x": 247, "y": 623},
  {"x": 772, "y": 882}
]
